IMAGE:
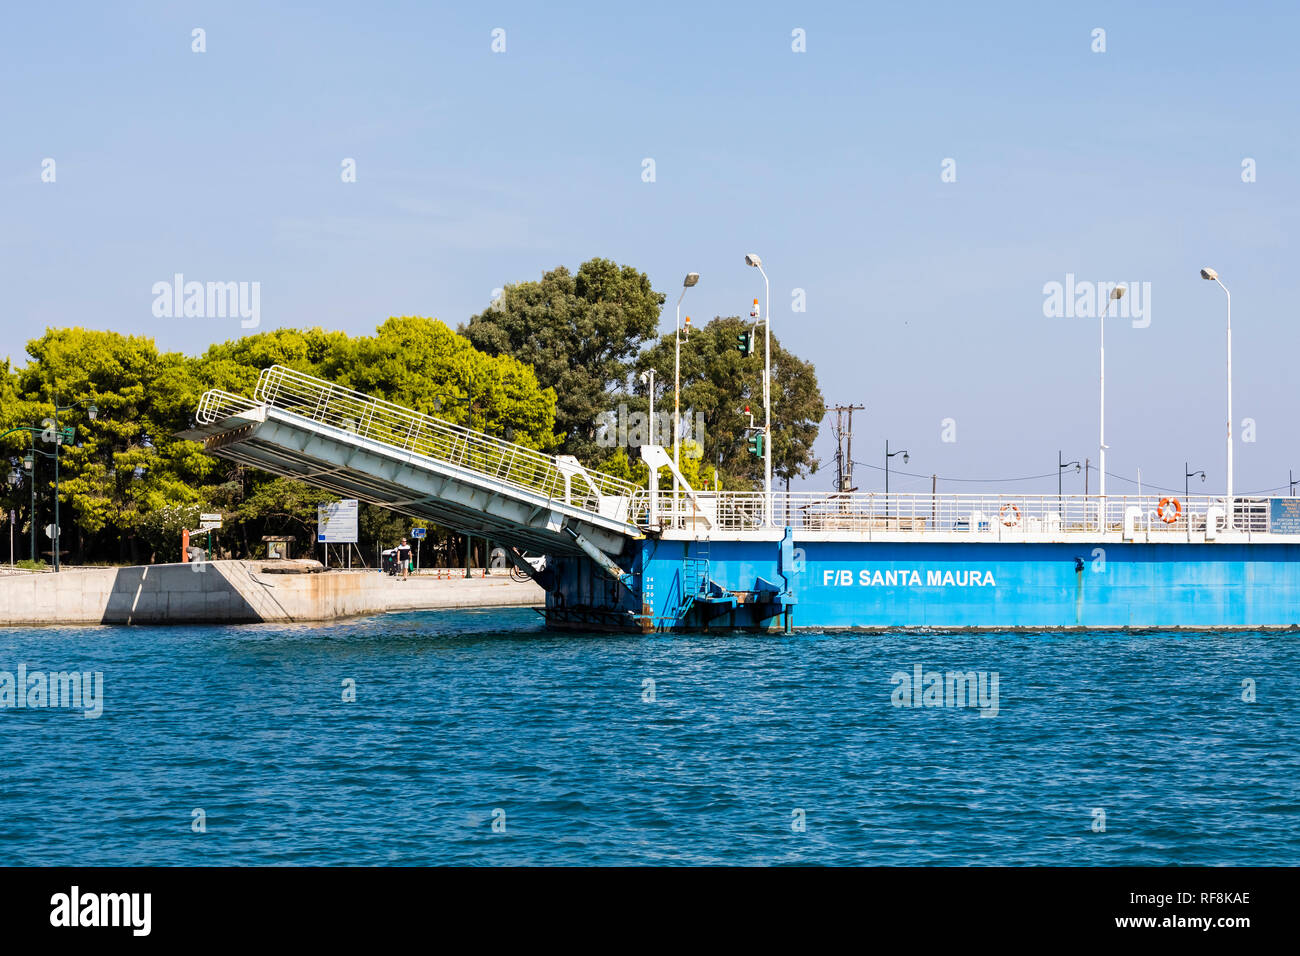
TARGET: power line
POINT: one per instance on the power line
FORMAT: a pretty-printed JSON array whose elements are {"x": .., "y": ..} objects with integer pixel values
[
  {"x": 895, "y": 471},
  {"x": 1091, "y": 467}
]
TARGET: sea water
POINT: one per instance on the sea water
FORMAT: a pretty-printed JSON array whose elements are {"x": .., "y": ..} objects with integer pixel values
[{"x": 479, "y": 737}]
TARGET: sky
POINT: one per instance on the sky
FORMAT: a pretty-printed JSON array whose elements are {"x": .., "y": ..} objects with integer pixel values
[{"x": 914, "y": 177}]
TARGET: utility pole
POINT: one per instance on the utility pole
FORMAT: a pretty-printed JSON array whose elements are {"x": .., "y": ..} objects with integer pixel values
[{"x": 844, "y": 445}]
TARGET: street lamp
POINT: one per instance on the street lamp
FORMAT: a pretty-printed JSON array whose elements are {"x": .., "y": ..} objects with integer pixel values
[
  {"x": 1116, "y": 294},
  {"x": 1060, "y": 467},
  {"x": 690, "y": 280},
  {"x": 1211, "y": 276},
  {"x": 888, "y": 455},
  {"x": 1188, "y": 474},
  {"x": 29, "y": 464},
  {"x": 648, "y": 378},
  {"x": 752, "y": 259},
  {"x": 92, "y": 412}
]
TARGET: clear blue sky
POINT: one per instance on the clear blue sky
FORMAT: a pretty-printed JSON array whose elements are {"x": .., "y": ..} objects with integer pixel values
[{"x": 475, "y": 169}]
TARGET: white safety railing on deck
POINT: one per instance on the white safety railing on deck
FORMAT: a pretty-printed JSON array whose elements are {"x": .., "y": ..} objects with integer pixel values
[{"x": 1004, "y": 515}]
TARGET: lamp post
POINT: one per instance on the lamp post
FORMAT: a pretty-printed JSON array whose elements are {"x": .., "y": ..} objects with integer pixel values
[
  {"x": 15, "y": 482},
  {"x": 1188, "y": 474},
  {"x": 648, "y": 378},
  {"x": 1116, "y": 294},
  {"x": 1211, "y": 276},
  {"x": 690, "y": 280},
  {"x": 92, "y": 411},
  {"x": 752, "y": 259},
  {"x": 888, "y": 455},
  {"x": 1060, "y": 467},
  {"x": 29, "y": 464}
]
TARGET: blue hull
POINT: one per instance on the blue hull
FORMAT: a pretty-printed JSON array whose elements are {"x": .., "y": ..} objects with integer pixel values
[{"x": 766, "y": 585}]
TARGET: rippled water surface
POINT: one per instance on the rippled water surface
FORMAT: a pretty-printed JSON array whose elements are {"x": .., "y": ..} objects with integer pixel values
[{"x": 462, "y": 718}]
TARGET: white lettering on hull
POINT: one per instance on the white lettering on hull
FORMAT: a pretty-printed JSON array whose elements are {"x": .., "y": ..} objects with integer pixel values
[{"x": 909, "y": 578}]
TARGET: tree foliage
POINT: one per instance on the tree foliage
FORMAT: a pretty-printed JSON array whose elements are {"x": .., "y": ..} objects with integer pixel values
[
  {"x": 128, "y": 485},
  {"x": 718, "y": 383},
  {"x": 581, "y": 332}
]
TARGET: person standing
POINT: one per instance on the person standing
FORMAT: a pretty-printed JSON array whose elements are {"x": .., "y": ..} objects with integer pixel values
[{"x": 404, "y": 558}]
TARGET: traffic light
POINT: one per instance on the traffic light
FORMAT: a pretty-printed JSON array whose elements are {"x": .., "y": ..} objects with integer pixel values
[
  {"x": 756, "y": 445},
  {"x": 745, "y": 343}
]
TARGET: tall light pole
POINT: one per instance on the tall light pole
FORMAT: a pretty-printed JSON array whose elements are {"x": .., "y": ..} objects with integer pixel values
[
  {"x": 752, "y": 259},
  {"x": 1188, "y": 474},
  {"x": 1061, "y": 465},
  {"x": 91, "y": 412},
  {"x": 15, "y": 482},
  {"x": 1116, "y": 294},
  {"x": 888, "y": 455},
  {"x": 648, "y": 378},
  {"x": 1211, "y": 276},
  {"x": 690, "y": 280},
  {"x": 29, "y": 465}
]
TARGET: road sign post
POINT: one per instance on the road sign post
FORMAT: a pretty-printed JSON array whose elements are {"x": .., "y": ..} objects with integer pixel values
[{"x": 418, "y": 534}]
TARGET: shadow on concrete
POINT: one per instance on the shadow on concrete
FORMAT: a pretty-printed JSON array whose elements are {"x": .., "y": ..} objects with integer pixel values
[{"x": 180, "y": 594}]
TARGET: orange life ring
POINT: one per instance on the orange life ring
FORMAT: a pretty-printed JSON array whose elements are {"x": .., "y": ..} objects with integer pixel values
[
  {"x": 1166, "y": 515},
  {"x": 1013, "y": 518}
]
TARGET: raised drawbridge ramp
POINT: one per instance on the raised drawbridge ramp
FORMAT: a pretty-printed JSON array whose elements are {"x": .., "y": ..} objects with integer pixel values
[{"x": 362, "y": 447}]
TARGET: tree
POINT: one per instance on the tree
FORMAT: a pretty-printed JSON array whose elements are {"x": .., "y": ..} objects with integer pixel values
[
  {"x": 235, "y": 365},
  {"x": 718, "y": 383},
  {"x": 423, "y": 365},
  {"x": 125, "y": 466},
  {"x": 581, "y": 332}
]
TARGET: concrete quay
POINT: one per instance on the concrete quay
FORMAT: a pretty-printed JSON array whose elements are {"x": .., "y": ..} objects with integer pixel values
[{"x": 239, "y": 592}]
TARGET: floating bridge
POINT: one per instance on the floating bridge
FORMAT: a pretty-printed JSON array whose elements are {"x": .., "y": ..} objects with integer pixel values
[
  {"x": 362, "y": 447},
  {"x": 633, "y": 558}
]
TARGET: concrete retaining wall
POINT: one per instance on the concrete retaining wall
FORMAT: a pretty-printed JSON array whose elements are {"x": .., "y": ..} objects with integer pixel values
[{"x": 237, "y": 592}]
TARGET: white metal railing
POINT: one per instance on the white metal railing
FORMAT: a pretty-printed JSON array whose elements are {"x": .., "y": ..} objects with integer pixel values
[
  {"x": 216, "y": 405},
  {"x": 378, "y": 420},
  {"x": 1004, "y": 515}
]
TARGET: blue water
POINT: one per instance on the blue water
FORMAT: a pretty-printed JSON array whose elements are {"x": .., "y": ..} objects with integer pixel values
[{"x": 460, "y": 714}]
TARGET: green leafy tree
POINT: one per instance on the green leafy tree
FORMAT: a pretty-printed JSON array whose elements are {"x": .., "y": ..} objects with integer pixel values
[
  {"x": 581, "y": 332},
  {"x": 423, "y": 365},
  {"x": 718, "y": 382},
  {"x": 234, "y": 366},
  {"x": 126, "y": 465}
]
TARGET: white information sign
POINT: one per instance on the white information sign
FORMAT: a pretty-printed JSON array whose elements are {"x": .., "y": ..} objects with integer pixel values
[{"x": 337, "y": 523}]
